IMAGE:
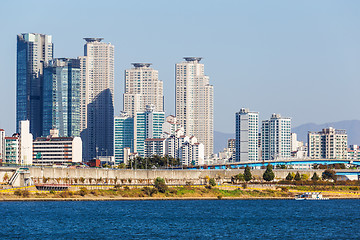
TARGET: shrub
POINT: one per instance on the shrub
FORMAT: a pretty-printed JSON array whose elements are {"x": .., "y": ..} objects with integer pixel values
[
  {"x": 22, "y": 193},
  {"x": 83, "y": 191},
  {"x": 329, "y": 175},
  {"x": 304, "y": 177},
  {"x": 188, "y": 183},
  {"x": 149, "y": 191},
  {"x": 212, "y": 182},
  {"x": 160, "y": 185}
]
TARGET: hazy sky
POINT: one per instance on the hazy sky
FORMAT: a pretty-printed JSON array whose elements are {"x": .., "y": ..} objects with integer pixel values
[{"x": 297, "y": 58}]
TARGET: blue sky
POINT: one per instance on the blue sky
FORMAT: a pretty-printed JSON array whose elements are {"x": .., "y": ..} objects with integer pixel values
[{"x": 297, "y": 58}]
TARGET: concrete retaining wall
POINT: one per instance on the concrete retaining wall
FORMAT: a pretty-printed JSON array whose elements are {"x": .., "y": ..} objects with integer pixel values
[{"x": 91, "y": 175}]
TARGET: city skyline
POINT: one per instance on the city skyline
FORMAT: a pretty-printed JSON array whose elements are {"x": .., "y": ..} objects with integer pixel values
[{"x": 260, "y": 53}]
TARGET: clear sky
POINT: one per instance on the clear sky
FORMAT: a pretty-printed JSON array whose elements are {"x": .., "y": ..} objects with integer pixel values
[{"x": 297, "y": 58}]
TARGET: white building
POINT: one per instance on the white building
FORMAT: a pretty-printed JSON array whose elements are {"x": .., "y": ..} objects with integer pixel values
[
  {"x": 246, "y": 143},
  {"x": 2, "y": 145},
  {"x": 195, "y": 102},
  {"x": 142, "y": 88},
  {"x": 155, "y": 146},
  {"x": 57, "y": 150},
  {"x": 276, "y": 138},
  {"x": 96, "y": 94},
  {"x": 26, "y": 143},
  {"x": 171, "y": 125},
  {"x": 330, "y": 143}
]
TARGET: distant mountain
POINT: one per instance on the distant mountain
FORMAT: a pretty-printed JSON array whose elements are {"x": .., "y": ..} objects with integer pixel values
[
  {"x": 352, "y": 128},
  {"x": 220, "y": 140}
]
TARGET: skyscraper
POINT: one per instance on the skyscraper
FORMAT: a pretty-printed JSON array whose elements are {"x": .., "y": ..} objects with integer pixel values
[
  {"x": 33, "y": 51},
  {"x": 96, "y": 94},
  {"x": 276, "y": 138},
  {"x": 123, "y": 136},
  {"x": 142, "y": 88},
  {"x": 195, "y": 102},
  {"x": 246, "y": 143},
  {"x": 147, "y": 124},
  {"x": 61, "y": 97}
]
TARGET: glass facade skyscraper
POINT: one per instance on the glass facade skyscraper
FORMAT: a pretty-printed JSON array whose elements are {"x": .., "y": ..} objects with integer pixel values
[
  {"x": 33, "y": 50},
  {"x": 147, "y": 124},
  {"x": 123, "y": 136},
  {"x": 61, "y": 97}
]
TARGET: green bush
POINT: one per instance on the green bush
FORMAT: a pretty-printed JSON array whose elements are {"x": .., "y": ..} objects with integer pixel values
[
  {"x": 22, "y": 193},
  {"x": 83, "y": 191},
  {"x": 149, "y": 191},
  {"x": 212, "y": 182},
  {"x": 160, "y": 185},
  {"x": 268, "y": 174}
]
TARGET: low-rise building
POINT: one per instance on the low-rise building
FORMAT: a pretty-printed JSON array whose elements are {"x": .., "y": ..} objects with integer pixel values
[
  {"x": 353, "y": 152},
  {"x": 12, "y": 149},
  {"x": 57, "y": 150}
]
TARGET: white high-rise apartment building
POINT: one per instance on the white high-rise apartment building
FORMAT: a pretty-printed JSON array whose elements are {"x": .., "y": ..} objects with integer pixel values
[
  {"x": 276, "y": 138},
  {"x": 97, "y": 102},
  {"x": 246, "y": 143},
  {"x": 330, "y": 143},
  {"x": 195, "y": 102},
  {"x": 142, "y": 88},
  {"x": 2, "y": 145}
]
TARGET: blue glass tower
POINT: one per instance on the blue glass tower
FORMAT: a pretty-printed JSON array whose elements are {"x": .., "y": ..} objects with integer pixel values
[
  {"x": 61, "y": 97},
  {"x": 147, "y": 124},
  {"x": 123, "y": 136},
  {"x": 33, "y": 50}
]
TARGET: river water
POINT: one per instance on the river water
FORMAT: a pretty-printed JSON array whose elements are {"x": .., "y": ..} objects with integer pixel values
[{"x": 182, "y": 219}]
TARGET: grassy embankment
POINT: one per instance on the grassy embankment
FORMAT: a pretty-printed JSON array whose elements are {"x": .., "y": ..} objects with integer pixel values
[
  {"x": 148, "y": 193},
  {"x": 184, "y": 192}
]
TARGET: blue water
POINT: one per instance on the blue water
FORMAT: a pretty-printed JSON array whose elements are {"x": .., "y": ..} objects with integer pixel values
[{"x": 217, "y": 219}]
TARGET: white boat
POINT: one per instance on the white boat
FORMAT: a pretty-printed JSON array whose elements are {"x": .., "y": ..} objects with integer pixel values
[{"x": 310, "y": 196}]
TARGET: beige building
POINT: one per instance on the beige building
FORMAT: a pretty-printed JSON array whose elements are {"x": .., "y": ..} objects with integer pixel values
[
  {"x": 330, "y": 143},
  {"x": 142, "y": 88},
  {"x": 97, "y": 102},
  {"x": 195, "y": 102}
]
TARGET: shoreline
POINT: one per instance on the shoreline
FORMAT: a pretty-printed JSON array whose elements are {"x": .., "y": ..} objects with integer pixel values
[{"x": 154, "y": 199}]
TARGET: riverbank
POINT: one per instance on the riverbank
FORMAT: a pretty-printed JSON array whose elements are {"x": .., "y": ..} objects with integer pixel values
[{"x": 172, "y": 193}]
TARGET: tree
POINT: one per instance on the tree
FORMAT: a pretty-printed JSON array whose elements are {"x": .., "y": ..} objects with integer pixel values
[
  {"x": 212, "y": 182},
  {"x": 268, "y": 174},
  {"x": 240, "y": 177},
  {"x": 297, "y": 176},
  {"x": 289, "y": 177},
  {"x": 304, "y": 177},
  {"x": 247, "y": 174},
  {"x": 160, "y": 185},
  {"x": 315, "y": 177},
  {"x": 329, "y": 175}
]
